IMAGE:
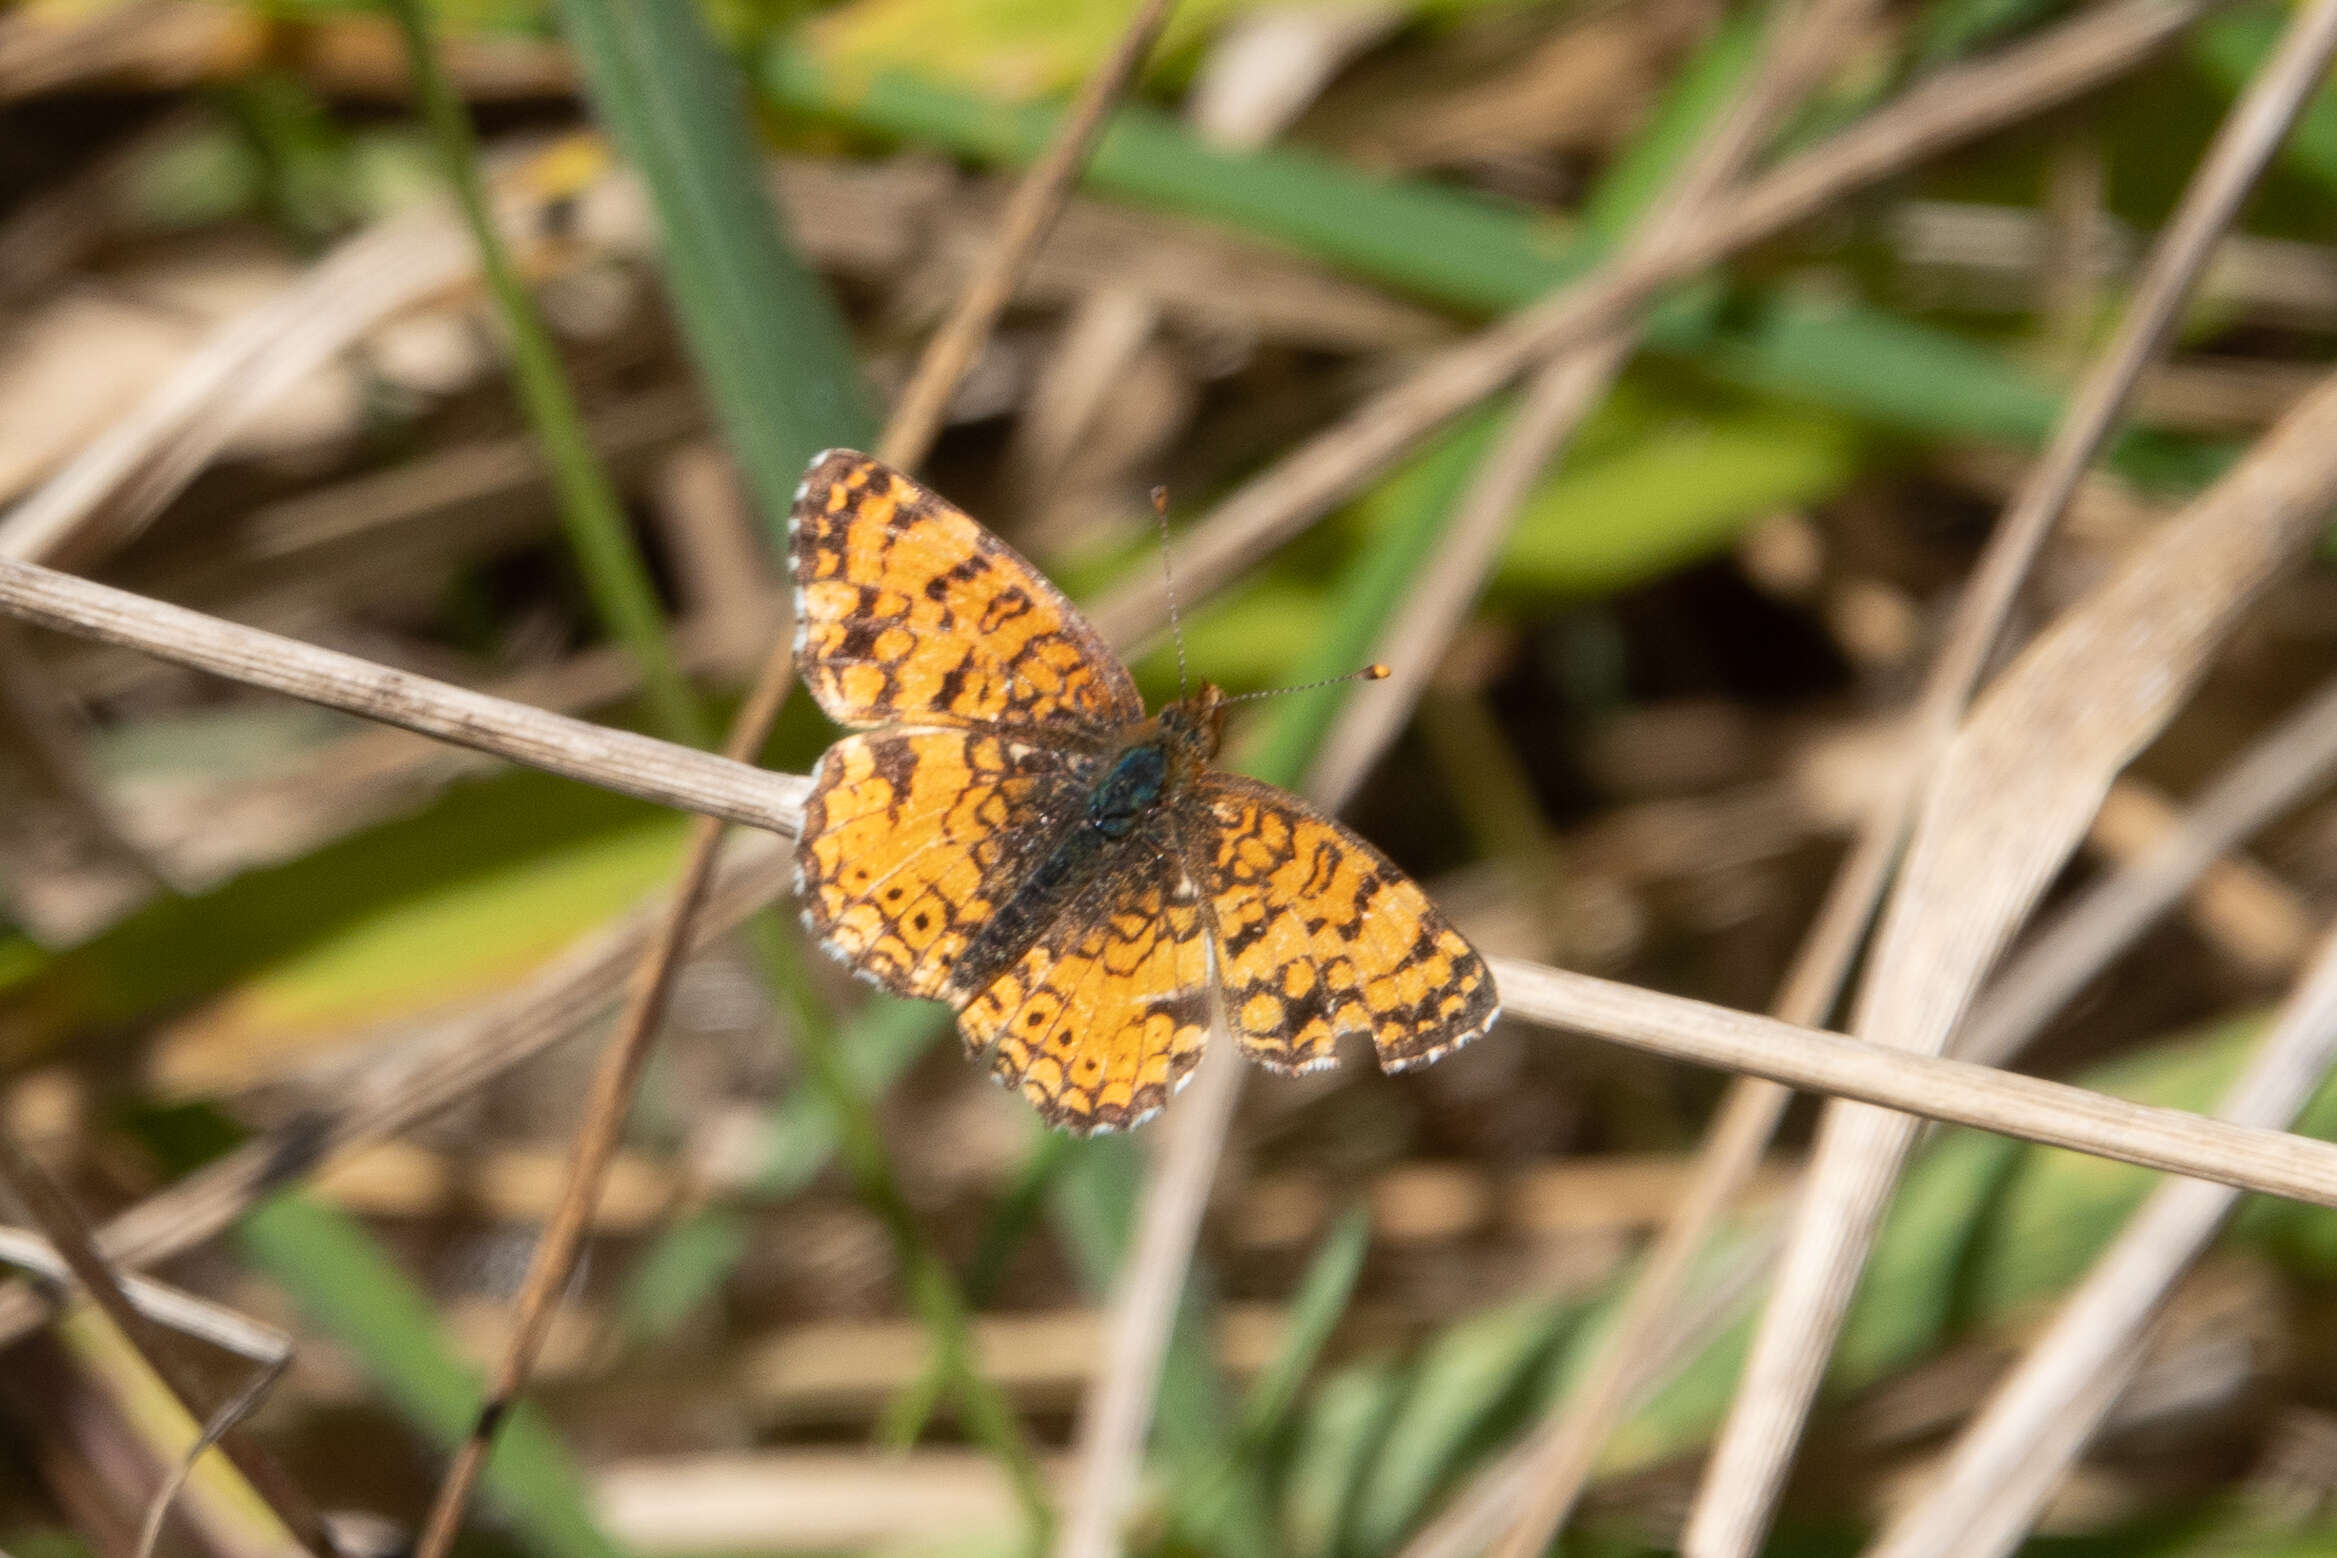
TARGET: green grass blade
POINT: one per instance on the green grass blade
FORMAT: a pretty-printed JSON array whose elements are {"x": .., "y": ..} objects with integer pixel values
[
  {"x": 615, "y": 577},
  {"x": 1315, "y": 1310},
  {"x": 1016, "y": 1214},
  {"x": 1208, "y": 1497},
  {"x": 1343, "y": 1429},
  {"x": 693, "y": 1258},
  {"x": 776, "y": 357},
  {"x": 1705, "y": 86},
  {"x": 2231, "y": 47},
  {"x": 1459, "y": 250},
  {"x": 1468, "y": 1382},
  {"x": 351, "y": 1290}
]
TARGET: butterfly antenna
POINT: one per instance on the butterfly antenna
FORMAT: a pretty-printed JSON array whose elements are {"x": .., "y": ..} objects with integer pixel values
[
  {"x": 1168, "y": 584},
  {"x": 1370, "y": 673}
]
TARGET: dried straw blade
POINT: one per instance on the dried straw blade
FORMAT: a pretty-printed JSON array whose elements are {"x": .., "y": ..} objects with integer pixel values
[
  {"x": 2048, "y": 1112},
  {"x": 2015, "y": 1451},
  {"x": 2004, "y": 810}
]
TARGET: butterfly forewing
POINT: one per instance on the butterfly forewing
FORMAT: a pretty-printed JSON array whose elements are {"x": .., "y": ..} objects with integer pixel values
[{"x": 909, "y": 612}]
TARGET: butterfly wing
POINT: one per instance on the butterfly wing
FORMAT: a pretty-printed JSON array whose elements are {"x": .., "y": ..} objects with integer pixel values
[
  {"x": 907, "y": 611},
  {"x": 1319, "y": 935},
  {"x": 913, "y": 838},
  {"x": 1106, "y": 1014}
]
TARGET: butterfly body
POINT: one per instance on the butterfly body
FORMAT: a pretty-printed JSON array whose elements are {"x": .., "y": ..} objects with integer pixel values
[
  {"x": 1010, "y": 833},
  {"x": 1131, "y": 787}
]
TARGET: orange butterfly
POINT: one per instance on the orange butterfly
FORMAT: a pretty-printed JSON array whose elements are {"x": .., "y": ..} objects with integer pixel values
[{"x": 1074, "y": 878}]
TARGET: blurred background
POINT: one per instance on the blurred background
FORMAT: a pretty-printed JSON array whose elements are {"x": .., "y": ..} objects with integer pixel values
[{"x": 248, "y": 365}]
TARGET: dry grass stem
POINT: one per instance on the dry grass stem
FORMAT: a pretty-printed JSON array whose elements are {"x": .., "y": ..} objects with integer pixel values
[
  {"x": 1798, "y": 1056},
  {"x": 1950, "y": 1090},
  {"x": 1117, "y": 1409},
  {"x": 2276, "y": 772},
  {"x": 436, "y": 1069},
  {"x": 2246, "y": 914},
  {"x": 2013, "y": 1454},
  {"x": 167, "y": 1306},
  {"x": 1038, "y": 199},
  {"x": 1999, "y": 817},
  {"x": 1952, "y": 107},
  {"x": 613, "y": 759},
  {"x": 793, "y": 1500},
  {"x": 60, "y": 1224},
  {"x": 908, "y": 433}
]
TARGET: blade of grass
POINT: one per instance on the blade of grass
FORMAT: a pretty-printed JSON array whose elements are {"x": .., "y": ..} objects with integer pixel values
[
  {"x": 340, "y": 1278},
  {"x": 1202, "y": 1501},
  {"x": 1968, "y": 846},
  {"x": 1118, "y": 1405},
  {"x": 2299, "y": 476},
  {"x": 615, "y": 577},
  {"x": 1016, "y": 1214},
  {"x": 708, "y": 160},
  {"x": 777, "y": 358}
]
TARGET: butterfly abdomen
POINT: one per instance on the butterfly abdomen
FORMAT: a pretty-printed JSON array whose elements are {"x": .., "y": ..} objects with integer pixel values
[{"x": 1128, "y": 794}]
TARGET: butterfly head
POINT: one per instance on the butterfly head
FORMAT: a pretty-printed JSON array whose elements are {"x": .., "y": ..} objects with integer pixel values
[{"x": 1193, "y": 727}]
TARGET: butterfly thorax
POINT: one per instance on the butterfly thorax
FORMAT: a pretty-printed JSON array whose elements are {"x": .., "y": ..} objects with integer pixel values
[
  {"x": 1170, "y": 747},
  {"x": 1151, "y": 761}
]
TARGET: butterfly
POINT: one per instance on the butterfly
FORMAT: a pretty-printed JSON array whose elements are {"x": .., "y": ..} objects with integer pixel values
[{"x": 1008, "y": 831}]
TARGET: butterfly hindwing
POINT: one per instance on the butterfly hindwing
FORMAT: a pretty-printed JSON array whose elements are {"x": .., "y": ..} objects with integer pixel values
[
  {"x": 1105, "y": 1015},
  {"x": 1320, "y": 936},
  {"x": 913, "y": 838},
  {"x": 907, "y": 611}
]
